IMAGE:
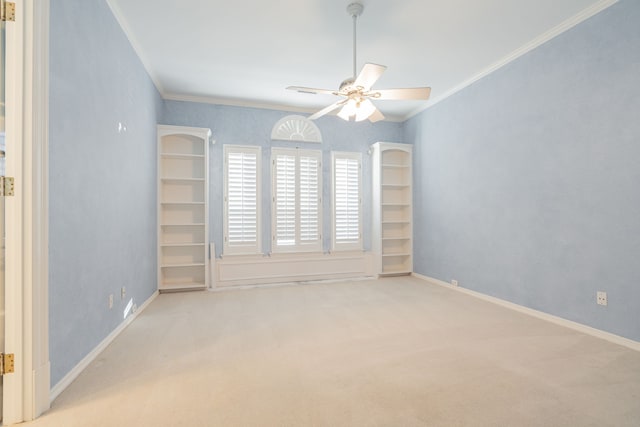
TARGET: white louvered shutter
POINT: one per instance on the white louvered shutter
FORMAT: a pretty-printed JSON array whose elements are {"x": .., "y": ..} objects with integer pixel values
[
  {"x": 285, "y": 199},
  {"x": 347, "y": 201},
  {"x": 309, "y": 199},
  {"x": 297, "y": 207},
  {"x": 242, "y": 199}
]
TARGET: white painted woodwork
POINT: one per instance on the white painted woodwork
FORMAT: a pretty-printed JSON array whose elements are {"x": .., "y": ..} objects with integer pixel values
[
  {"x": 183, "y": 211},
  {"x": 296, "y": 212},
  {"x": 346, "y": 200},
  {"x": 392, "y": 216},
  {"x": 285, "y": 268},
  {"x": 242, "y": 199},
  {"x": 296, "y": 128},
  {"x": 26, "y": 298}
]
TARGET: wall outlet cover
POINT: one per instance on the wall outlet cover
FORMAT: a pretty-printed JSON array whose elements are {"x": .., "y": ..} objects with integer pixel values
[{"x": 601, "y": 298}]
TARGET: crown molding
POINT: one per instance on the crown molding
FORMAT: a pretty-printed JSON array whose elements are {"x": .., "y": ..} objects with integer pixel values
[
  {"x": 536, "y": 42},
  {"x": 117, "y": 13},
  {"x": 234, "y": 102}
]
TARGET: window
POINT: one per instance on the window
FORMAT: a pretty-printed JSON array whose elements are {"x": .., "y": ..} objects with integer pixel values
[
  {"x": 347, "y": 200},
  {"x": 297, "y": 202},
  {"x": 241, "y": 199}
]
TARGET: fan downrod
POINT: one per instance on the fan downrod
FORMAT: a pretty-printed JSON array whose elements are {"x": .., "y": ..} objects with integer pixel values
[{"x": 354, "y": 10}]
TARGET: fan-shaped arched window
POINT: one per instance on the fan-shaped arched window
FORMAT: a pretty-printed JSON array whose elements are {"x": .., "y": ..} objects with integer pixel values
[{"x": 296, "y": 128}]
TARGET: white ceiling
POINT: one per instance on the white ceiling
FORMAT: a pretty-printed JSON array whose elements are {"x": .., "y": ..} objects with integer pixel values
[{"x": 247, "y": 52}]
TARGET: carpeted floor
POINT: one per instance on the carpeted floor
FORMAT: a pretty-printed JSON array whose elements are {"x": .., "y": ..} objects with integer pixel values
[{"x": 389, "y": 352}]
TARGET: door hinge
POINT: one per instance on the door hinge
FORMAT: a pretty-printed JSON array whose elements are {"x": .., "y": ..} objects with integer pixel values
[
  {"x": 8, "y": 13},
  {"x": 7, "y": 365},
  {"x": 6, "y": 186}
]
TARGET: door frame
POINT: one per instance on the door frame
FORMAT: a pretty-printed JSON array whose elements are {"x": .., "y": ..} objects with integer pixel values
[{"x": 26, "y": 392}]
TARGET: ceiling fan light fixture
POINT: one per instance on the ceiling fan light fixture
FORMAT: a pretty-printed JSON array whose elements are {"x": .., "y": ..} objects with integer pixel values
[
  {"x": 364, "y": 109},
  {"x": 348, "y": 111},
  {"x": 357, "y": 89},
  {"x": 357, "y": 110}
]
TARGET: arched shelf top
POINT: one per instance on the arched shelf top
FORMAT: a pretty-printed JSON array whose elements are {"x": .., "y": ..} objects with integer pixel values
[
  {"x": 296, "y": 128},
  {"x": 202, "y": 133}
]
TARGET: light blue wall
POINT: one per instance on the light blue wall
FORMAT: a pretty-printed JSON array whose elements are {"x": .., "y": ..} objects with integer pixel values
[
  {"x": 102, "y": 183},
  {"x": 528, "y": 181},
  {"x": 250, "y": 126}
]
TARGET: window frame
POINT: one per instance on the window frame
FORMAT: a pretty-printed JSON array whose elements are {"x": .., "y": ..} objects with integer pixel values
[
  {"x": 229, "y": 249},
  {"x": 298, "y": 246},
  {"x": 348, "y": 245}
]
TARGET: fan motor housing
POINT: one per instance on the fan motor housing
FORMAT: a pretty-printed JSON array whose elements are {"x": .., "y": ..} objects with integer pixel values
[{"x": 346, "y": 83}]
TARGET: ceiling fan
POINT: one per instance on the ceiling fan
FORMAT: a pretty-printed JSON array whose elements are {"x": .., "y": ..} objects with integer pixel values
[{"x": 357, "y": 92}]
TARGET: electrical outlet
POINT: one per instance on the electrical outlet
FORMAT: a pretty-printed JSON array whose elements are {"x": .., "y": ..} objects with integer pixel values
[
  {"x": 601, "y": 298},
  {"x": 110, "y": 301},
  {"x": 454, "y": 282},
  {"x": 123, "y": 292}
]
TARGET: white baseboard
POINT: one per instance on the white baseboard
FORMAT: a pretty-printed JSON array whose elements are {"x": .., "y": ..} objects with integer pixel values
[
  {"x": 239, "y": 270},
  {"x": 616, "y": 339},
  {"x": 81, "y": 366}
]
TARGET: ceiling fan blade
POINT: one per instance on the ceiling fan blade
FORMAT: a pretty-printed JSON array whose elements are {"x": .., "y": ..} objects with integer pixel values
[
  {"x": 327, "y": 110},
  {"x": 420, "y": 93},
  {"x": 369, "y": 74},
  {"x": 376, "y": 116},
  {"x": 311, "y": 90}
]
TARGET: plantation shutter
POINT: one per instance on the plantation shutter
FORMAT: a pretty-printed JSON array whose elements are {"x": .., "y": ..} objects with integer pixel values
[
  {"x": 285, "y": 199},
  {"x": 242, "y": 198},
  {"x": 309, "y": 199},
  {"x": 297, "y": 207},
  {"x": 347, "y": 201}
]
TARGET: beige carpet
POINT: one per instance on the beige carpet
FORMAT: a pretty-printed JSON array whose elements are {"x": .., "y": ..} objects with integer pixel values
[{"x": 391, "y": 352}]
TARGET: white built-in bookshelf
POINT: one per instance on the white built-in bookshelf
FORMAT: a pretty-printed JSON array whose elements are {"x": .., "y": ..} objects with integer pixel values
[
  {"x": 392, "y": 231},
  {"x": 183, "y": 211}
]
